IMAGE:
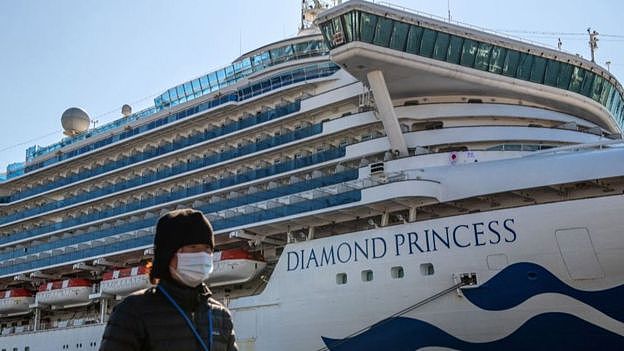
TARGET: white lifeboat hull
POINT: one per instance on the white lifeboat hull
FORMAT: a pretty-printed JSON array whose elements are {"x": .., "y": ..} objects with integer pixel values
[
  {"x": 17, "y": 304},
  {"x": 235, "y": 271},
  {"x": 65, "y": 296},
  {"x": 126, "y": 285}
]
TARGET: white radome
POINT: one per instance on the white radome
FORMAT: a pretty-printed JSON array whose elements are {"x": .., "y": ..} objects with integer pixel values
[{"x": 75, "y": 121}]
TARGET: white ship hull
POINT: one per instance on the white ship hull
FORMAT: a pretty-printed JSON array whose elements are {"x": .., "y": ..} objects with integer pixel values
[{"x": 525, "y": 286}]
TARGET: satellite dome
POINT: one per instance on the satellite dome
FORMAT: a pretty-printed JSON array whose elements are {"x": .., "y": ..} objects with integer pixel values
[{"x": 75, "y": 121}]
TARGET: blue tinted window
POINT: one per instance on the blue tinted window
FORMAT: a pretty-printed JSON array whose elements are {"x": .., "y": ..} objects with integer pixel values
[
  {"x": 383, "y": 30},
  {"x": 440, "y": 48},
  {"x": 588, "y": 82},
  {"x": 524, "y": 66},
  {"x": 367, "y": 27},
  {"x": 538, "y": 69},
  {"x": 399, "y": 36},
  {"x": 564, "y": 76},
  {"x": 427, "y": 42},
  {"x": 482, "y": 59},
  {"x": 469, "y": 52},
  {"x": 511, "y": 63},
  {"x": 577, "y": 79},
  {"x": 413, "y": 39},
  {"x": 454, "y": 49},
  {"x": 497, "y": 59}
]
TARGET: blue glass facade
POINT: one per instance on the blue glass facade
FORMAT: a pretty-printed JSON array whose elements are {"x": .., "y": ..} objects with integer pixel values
[
  {"x": 456, "y": 49},
  {"x": 231, "y": 74},
  {"x": 274, "y": 82}
]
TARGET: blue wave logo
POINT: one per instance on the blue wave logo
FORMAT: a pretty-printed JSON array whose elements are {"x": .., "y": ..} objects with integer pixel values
[
  {"x": 521, "y": 281},
  {"x": 548, "y": 331}
]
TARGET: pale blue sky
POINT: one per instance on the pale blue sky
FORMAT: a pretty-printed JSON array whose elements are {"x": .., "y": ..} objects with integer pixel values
[{"x": 99, "y": 55}]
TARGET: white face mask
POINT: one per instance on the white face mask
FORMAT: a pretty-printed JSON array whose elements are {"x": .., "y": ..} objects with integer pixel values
[{"x": 193, "y": 268}]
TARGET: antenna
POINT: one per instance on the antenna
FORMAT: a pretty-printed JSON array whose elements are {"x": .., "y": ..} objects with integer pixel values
[
  {"x": 448, "y": 6},
  {"x": 593, "y": 42},
  {"x": 608, "y": 63},
  {"x": 559, "y": 43}
]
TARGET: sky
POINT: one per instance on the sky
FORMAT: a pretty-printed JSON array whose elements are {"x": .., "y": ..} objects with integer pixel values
[{"x": 99, "y": 55}]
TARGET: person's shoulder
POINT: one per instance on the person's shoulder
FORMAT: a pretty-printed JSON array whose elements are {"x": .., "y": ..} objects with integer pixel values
[
  {"x": 218, "y": 306},
  {"x": 137, "y": 301}
]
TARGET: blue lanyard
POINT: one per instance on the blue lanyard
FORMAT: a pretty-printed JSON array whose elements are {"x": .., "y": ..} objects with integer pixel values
[{"x": 189, "y": 323}]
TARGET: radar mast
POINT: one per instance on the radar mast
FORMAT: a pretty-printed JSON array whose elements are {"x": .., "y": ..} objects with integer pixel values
[{"x": 310, "y": 9}]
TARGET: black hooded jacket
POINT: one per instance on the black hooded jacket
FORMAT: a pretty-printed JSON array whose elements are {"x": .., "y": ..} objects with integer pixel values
[{"x": 149, "y": 322}]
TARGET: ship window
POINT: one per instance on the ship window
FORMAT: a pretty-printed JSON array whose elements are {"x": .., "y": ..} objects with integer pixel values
[
  {"x": 596, "y": 90},
  {"x": 367, "y": 27},
  {"x": 497, "y": 59},
  {"x": 588, "y": 81},
  {"x": 565, "y": 73},
  {"x": 383, "y": 31},
  {"x": 397, "y": 272},
  {"x": 577, "y": 79},
  {"x": 482, "y": 59},
  {"x": 511, "y": 63},
  {"x": 524, "y": 68},
  {"x": 427, "y": 43},
  {"x": 454, "y": 49},
  {"x": 537, "y": 72},
  {"x": 469, "y": 51},
  {"x": 341, "y": 278},
  {"x": 552, "y": 73},
  {"x": 367, "y": 275},
  {"x": 26, "y": 348},
  {"x": 399, "y": 35},
  {"x": 413, "y": 39},
  {"x": 441, "y": 46},
  {"x": 426, "y": 269},
  {"x": 350, "y": 25}
]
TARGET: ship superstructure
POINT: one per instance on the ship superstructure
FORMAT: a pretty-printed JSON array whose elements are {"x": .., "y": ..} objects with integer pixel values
[{"x": 388, "y": 161}]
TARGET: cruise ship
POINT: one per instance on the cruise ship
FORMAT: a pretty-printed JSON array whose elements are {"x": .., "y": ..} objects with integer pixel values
[{"x": 384, "y": 180}]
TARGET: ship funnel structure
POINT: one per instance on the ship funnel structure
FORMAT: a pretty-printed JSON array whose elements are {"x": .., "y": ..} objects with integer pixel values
[
  {"x": 75, "y": 121},
  {"x": 310, "y": 9}
]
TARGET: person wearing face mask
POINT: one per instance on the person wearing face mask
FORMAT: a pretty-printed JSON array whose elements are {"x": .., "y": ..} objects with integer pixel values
[{"x": 178, "y": 314}]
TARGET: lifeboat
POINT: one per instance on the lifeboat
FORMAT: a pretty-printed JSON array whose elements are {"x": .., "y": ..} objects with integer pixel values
[
  {"x": 15, "y": 301},
  {"x": 125, "y": 281},
  {"x": 235, "y": 266},
  {"x": 65, "y": 292}
]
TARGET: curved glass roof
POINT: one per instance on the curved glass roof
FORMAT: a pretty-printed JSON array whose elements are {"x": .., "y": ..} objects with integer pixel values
[{"x": 357, "y": 25}]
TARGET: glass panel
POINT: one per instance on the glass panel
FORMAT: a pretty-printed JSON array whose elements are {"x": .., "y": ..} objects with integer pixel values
[
  {"x": 577, "y": 79},
  {"x": 441, "y": 46},
  {"x": 328, "y": 34},
  {"x": 454, "y": 49},
  {"x": 524, "y": 67},
  {"x": 565, "y": 73},
  {"x": 196, "y": 85},
  {"x": 588, "y": 81},
  {"x": 538, "y": 69},
  {"x": 482, "y": 60},
  {"x": 552, "y": 73},
  {"x": 596, "y": 89},
  {"x": 413, "y": 39},
  {"x": 497, "y": 59},
  {"x": 399, "y": 36},
  {"x": 347, "y": 23},
  {"x": 337, "y": 24},
  {"x": 612, "y": 92},
  {"x": 188, "y": 89},
  {"x": 180, "y": 91},
  {"x": 511, "y": 63},
  {"x": 427, "y": 42},
  {"x": 383, "y": 31},
  {"x": 367, "y": 27},
  {"x": 469, "y": 51}
]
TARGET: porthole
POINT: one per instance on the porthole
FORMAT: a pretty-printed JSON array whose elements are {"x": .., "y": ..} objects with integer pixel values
[{"x": 341, "y": 278}]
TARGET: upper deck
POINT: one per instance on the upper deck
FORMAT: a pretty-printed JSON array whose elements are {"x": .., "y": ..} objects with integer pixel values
[{"x": 424, "y": 56}]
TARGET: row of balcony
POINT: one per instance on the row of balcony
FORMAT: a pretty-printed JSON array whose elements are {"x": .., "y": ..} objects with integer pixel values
[{"x": 168, "y": 171}]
